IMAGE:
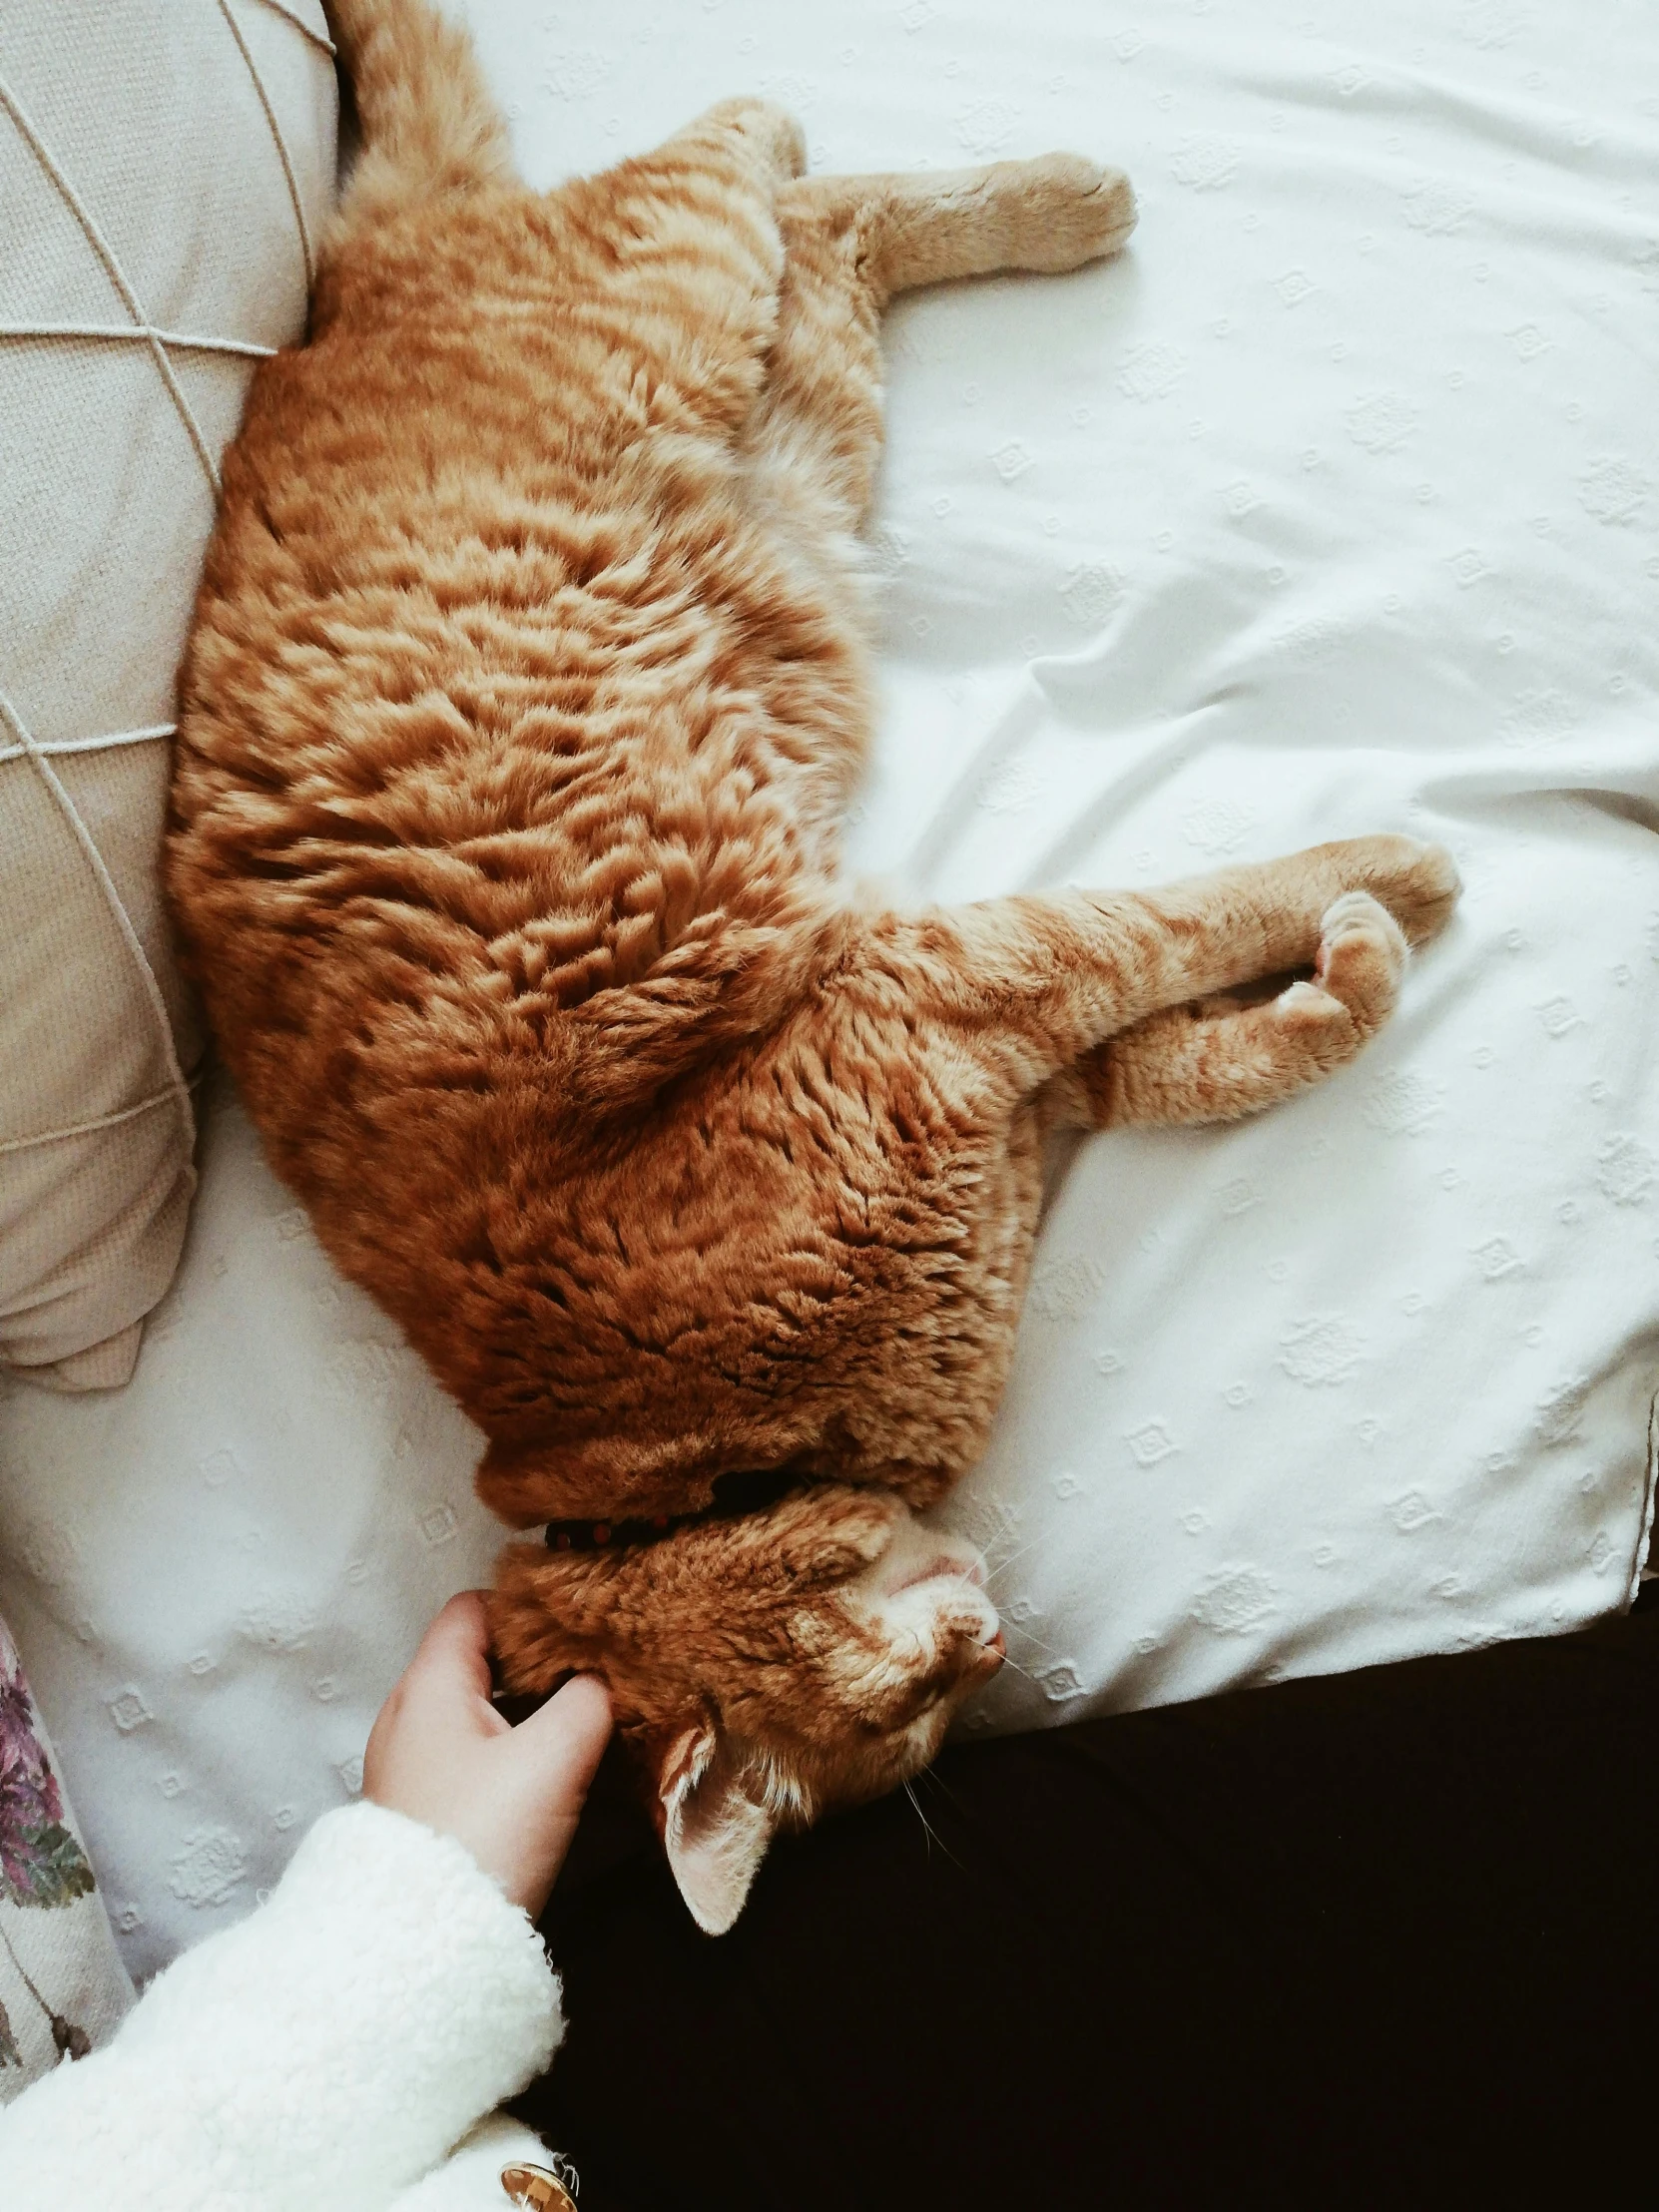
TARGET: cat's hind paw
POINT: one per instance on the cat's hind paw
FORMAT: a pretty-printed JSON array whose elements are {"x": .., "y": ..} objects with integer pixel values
[{"x": 1065, "y": 210}]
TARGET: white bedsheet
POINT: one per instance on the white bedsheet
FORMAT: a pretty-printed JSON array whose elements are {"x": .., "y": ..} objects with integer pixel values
[{"x": 1329, "y": 508}]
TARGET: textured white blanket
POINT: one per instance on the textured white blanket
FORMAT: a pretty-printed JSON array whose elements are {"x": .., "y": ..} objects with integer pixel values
[{"x": 1332, "y": 507}]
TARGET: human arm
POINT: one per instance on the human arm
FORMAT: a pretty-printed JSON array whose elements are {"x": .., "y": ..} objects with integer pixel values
[{"x": 331, "y": 2049}]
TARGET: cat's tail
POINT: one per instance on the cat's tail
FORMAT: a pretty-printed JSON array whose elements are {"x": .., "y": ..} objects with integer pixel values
[{"x": 429, "y": 123}]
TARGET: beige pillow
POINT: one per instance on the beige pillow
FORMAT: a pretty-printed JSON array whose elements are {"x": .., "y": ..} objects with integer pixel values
[{"x": 165, "y": 166}]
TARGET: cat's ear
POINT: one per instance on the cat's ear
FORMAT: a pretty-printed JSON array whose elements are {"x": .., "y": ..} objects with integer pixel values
[{"x": 715, "y": 1833}]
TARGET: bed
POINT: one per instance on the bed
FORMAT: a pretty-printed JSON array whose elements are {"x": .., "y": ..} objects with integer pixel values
[{"x": 1329, "y": 507}]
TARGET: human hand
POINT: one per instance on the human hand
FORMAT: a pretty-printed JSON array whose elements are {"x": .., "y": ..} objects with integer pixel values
[{"x": 440, "y": 1752}]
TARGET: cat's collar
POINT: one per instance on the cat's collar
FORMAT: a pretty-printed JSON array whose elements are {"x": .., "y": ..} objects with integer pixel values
[{"x": 745, "y": 1490}]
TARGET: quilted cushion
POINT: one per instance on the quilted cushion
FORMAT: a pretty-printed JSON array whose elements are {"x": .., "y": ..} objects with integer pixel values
[{"x": 164, "y": 166}]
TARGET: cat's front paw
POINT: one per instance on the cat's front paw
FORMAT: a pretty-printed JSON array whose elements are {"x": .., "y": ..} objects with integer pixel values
[
  {"x": 1361, "y": 960},
  {"x": 1418, "y": 883}
]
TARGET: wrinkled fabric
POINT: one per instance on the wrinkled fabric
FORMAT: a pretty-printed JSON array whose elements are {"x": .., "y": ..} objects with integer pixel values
[{"x": 1329, "y": 508}]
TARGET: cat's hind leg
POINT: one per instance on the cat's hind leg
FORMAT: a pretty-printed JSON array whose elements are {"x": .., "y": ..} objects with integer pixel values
[
  {"x": 809, "y": 452},
  {"x": 1213, "y": 1061},
  {"x": 671, "y": 264},
  {"x": 770, "y": 132},
  {"x": 1048, "y": 215},
  {"x": 850, "y": 242},
  {"x": 819, "y": 417}
]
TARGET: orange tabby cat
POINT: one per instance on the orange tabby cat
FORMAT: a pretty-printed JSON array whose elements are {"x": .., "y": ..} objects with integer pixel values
[{"x": 529, "y": 679}]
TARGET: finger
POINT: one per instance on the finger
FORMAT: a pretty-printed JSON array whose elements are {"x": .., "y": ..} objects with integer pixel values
[
  {"x": 453, "y": 1655},
  {"x": 564, "y": 1741}
]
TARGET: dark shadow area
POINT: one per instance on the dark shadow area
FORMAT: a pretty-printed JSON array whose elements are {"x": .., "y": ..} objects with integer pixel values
[{"x": 1388, "y": 1937}]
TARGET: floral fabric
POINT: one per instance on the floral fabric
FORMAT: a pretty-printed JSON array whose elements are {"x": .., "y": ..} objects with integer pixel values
[{"x": 61, "y": 1988}]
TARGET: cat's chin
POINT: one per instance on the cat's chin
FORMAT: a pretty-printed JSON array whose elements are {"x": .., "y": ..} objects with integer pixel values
[
  {"x": 765, "y": 1670},
  {"x": 929, "y": 1638}
]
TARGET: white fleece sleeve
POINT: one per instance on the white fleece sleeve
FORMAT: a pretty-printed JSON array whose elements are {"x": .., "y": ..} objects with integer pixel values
[{"x": 323, "y": 2057}]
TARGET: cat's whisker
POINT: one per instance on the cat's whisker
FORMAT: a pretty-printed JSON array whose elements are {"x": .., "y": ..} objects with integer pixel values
[
  {"x": 916, "y": 1807},
  {"x": 1012, "y": 1561},
  {"x": 931, "y": 1774},
  {"x": 928, "y": 1830}
]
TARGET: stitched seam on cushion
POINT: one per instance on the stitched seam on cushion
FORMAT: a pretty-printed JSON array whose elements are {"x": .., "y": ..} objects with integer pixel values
[
  {"x": 54, "y": 747},
  {"x": 114, "y": 270},
  {"x": 177, "y": 1086},
  {"x": 138, "y": 335},
  {"x": 90, "y": 1128},
  {"x": 142, "y": 332},
  {"x": 316, "y": 38},
  {"x": 282, "y": 143}
]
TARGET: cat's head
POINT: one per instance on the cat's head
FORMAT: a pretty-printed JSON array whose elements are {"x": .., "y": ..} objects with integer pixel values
[{"x": 764, "y": 1669}]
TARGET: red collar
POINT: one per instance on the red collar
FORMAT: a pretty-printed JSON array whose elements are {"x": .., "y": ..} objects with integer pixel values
[{"x": 745, "y": 1490}]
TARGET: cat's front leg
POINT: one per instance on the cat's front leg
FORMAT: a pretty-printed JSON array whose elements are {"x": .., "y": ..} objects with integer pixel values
[
  {"x": 1212, "y": 1061},
  {"x": 1032, "y": 984}
]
